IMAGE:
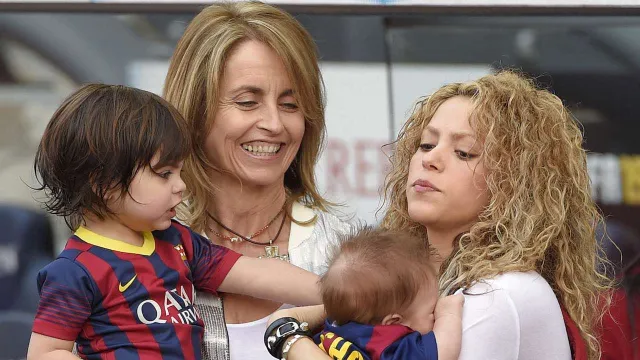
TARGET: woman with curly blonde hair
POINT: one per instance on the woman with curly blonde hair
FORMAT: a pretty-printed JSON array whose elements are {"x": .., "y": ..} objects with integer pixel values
[{"x": 493, "y": 175}]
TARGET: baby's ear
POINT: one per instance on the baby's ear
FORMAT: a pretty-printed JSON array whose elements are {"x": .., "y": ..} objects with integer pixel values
[{"x": 392, "y": 319}]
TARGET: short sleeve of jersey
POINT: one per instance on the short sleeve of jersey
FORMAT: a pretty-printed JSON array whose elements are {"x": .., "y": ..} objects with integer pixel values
[
  {"x": 209, "y": 263},
  {"x": 430, "y": 346},
  {"x": 413, "y": 346},
  {"x": 66, "y": 298}
]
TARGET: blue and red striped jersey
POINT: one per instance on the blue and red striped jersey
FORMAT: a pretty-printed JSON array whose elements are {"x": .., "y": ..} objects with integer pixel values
[
  {"x": 120, "y": 301},
  {"x": 354, "y": 341}
]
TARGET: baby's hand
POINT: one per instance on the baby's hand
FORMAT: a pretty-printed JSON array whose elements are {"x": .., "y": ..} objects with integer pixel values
[
  {"x": 449, "y": 306},
  {"x": 448, "y": 326}
]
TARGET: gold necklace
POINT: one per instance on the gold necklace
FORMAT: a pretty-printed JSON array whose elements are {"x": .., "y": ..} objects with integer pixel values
[{"x": 271, "y": 251}]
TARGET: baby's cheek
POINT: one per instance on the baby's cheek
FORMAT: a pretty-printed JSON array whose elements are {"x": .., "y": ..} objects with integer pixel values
[{"x": 432, "y": 321}]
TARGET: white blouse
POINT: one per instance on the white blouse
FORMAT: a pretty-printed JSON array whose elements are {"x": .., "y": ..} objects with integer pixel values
[
  {"x": 514, "y": 316},
  {"x": 309, "y": 247}
]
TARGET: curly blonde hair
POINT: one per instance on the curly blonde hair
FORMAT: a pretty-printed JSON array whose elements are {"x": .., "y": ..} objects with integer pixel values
[
  {"x": 540, "y": 215},
  {"x": 193, "y": 82}
]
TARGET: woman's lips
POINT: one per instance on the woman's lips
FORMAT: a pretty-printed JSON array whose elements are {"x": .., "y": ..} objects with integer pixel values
[{"x": 422, "y": 185}]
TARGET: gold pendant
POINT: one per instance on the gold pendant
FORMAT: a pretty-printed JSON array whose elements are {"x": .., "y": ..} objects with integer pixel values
[{"x": 272, "y": 252}]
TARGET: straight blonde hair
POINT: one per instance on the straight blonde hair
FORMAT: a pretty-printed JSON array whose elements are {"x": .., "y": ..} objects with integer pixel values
[{"x": 193, "y": 83}]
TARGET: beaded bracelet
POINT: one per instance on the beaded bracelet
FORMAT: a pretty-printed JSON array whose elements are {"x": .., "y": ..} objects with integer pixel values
[{"x": 289, "y": 344}]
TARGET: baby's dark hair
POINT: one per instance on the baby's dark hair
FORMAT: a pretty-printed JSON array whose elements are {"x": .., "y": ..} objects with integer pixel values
[
  {"x": 97, "y": 141},
  {"x": 373, "y": 273}
]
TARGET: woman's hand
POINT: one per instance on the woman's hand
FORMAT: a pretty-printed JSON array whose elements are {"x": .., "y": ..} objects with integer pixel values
[
  {"x": 312, "y": 315},
  {"x": 304, "y": 348}
]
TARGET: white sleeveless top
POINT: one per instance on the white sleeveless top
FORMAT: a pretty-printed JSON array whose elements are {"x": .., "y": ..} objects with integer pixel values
[
  {"x": 309, "y": 246},
  {"x": 242, "y": 339}
]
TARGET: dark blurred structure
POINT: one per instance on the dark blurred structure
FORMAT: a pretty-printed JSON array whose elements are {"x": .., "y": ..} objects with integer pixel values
[
  {"x": 26, "y": 245},
  {"x": 15, "y": 332}
]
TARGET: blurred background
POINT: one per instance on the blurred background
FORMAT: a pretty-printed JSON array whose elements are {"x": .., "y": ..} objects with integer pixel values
[{"x": 376, "y": 61}]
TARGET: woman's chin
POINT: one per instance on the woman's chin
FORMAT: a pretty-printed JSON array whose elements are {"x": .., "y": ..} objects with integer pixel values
[
  {"x": 262, "y": 179},
  {"x": 424, "y": 215}
]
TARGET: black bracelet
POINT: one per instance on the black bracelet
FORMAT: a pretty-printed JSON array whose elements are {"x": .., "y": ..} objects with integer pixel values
[{"x": 281, "y": 329}]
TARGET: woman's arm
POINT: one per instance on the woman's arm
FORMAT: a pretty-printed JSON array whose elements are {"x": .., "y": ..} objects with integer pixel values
[
  {"x": 515, "y": 315},
  {"x": 312, "y": 315},
  {"x": 490, "y": 327},
  {"x": 304, "y": 348}
]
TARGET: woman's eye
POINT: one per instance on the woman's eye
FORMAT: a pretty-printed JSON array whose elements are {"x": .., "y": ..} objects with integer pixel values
[
  {"x": 246, "y": 104},
  {"x": 290, "y": 106},
  {"x": 465, "y": 155},
  {"x": 426, "y": 147}
]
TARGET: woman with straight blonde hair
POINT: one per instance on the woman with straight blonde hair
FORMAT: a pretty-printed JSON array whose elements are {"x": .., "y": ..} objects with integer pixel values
[
  {"x": 493, "y": 175},
  {"x": 245, "y": 76}
]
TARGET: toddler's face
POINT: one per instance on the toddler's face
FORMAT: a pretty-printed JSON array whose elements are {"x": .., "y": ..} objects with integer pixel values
[{"x": 153, "y": 195}]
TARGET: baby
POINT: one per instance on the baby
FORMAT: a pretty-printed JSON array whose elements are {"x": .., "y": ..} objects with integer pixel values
[{"x": 381, "y": 299}]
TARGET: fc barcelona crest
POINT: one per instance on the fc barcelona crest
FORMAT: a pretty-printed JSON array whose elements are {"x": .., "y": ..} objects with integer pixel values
[{"x": 180, "y": 250}]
